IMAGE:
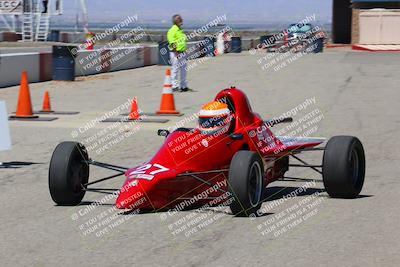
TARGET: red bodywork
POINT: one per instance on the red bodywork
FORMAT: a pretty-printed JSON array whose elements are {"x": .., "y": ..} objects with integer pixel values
[{"x": 160, "y": 183}]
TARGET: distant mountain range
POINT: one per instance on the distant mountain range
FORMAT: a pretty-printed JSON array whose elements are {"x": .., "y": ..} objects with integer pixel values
[
  {"x": 253, "y": 11},
  {"x": 156, "y": 14},
  {"x": 189, "y": 26}
]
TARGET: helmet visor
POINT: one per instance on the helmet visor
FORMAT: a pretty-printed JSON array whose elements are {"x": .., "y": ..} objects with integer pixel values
[{"x": 213, "y": 122}]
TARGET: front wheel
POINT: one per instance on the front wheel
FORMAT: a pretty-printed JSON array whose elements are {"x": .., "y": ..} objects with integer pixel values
[
  {"x": 68, "y": 173},
  {"x": 246, "y": 183},
  {"x": 343, "y": 168}
]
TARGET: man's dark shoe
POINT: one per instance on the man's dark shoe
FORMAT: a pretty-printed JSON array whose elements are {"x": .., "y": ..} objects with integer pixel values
[
  {"x": 176, "y": 89},
  {"x": 185, "y": 89}
]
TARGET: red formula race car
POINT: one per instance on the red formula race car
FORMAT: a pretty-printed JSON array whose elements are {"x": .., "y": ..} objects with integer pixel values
[{"x": 232, "y": 155}]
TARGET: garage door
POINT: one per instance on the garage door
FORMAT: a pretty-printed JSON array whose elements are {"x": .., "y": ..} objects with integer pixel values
[
  {"x": 379, "y": 27},
  {"x": 391, "y": 28}
]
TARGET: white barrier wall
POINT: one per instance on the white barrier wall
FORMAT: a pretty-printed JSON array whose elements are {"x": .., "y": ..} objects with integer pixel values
[
  {"x": 38, "y": 66},
  {"x": 5, "y": 140},
  {"x": 12, "y": 65},
  {"x": 114, "y": 59},
  {"x": 153, "y": 50},
  {"x": 88, "y": 63},
  {"x": 126, "y": 58}
]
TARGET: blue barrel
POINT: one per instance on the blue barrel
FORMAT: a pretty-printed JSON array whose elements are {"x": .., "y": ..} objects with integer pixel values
[
  {"x": 236, "y": 46},
  {"x": 63, "y": 63},
  {"x": 163, "y": 54},
  {"x": 54, "y": 36},
  {"x": 209, "y": 46},
  {"x": 318, "y": 45}
]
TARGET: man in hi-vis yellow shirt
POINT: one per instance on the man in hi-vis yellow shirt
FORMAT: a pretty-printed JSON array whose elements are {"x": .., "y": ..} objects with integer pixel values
[{"x": 177, "y": 46}]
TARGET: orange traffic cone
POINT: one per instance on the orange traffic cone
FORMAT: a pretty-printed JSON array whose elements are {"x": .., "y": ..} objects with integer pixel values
[
  {"x": 46, "y": 103},
  {"x": 24, "y": 107},
  {"x": 167, "y": 105},
  {"x": 134, "y": 114},
  {"x": 46, "y": 108}
]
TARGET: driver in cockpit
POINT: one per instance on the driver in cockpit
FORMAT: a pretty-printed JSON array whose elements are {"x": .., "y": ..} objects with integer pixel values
[{"x": 215, "y": 118}]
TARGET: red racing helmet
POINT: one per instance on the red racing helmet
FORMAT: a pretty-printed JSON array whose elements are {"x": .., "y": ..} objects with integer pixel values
[{"x": 214, "y": 117}]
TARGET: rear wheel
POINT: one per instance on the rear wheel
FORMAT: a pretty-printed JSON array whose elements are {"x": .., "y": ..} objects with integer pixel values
[
  {"x": 246, "y": 183},
  {"x": 68, "y": 172},
  {"x": 343, "y": 168}
]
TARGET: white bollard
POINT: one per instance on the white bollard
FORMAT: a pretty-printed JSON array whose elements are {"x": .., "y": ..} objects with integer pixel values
[{"x": 5, "y": 140}]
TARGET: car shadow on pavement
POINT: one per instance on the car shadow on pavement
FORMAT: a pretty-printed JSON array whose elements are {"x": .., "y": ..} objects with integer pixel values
[
  {"x": 16, "y": 164},
  {"x": 277, "y": 192},
  {"x": 271, "y": 193},
  {"x": 364, "y": 196},
  {"x": 87, "y": 203}
]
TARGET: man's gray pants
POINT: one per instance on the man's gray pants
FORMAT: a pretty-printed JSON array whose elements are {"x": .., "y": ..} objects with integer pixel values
[{"x": 178, "y": 63}]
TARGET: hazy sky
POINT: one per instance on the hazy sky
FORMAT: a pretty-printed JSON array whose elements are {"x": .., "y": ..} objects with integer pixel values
[{"x": 200, "y": 10}]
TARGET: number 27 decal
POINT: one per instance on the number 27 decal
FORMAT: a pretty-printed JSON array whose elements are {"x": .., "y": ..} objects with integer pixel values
[{"x": 141, "y": 171}]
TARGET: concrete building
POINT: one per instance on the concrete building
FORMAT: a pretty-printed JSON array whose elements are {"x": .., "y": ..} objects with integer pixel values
[{"x": 371, "y": 22}]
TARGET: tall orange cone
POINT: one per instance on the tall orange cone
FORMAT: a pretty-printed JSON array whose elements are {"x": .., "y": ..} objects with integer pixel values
[
  {"x": 46, "y": 103},
  {"x": 167, "y": 105},
  {"x": 24, "y": 107},
  {"x": 134, "y": 114}
]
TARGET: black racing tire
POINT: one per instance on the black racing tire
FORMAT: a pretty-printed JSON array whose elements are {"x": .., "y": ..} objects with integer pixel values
[
  {"x": 343, "y": 167},
  {"x": 246, "y": 183},
  {"x": 68, "y": 171}
]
